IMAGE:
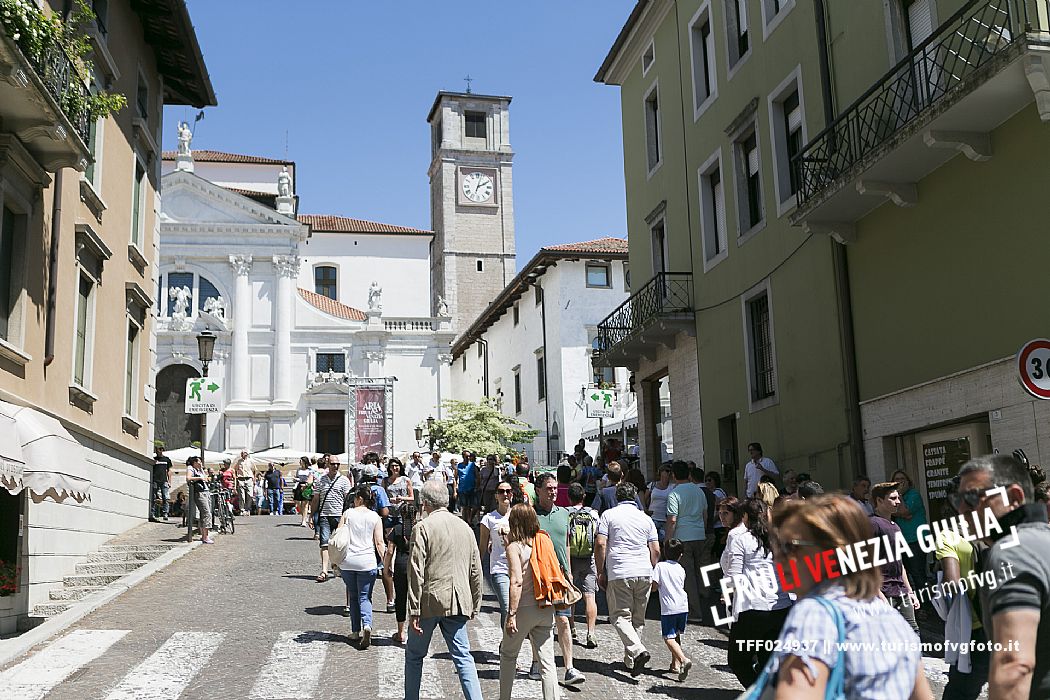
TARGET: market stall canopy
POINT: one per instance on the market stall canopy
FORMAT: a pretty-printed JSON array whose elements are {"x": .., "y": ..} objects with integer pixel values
[
  {"x": 178, "y": 457},
  {"x": 280, "y": 455},
  {"x": 50, "y": 456}
]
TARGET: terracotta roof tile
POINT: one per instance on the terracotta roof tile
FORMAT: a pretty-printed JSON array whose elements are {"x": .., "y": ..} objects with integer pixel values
[
  {"x": 204, "y": 156},
  {"x": 598, "y": 245},
  {"x": 251, "y": 193},
  {"x": 331, "y": 306},
  {"x": 343, "y": 224}
]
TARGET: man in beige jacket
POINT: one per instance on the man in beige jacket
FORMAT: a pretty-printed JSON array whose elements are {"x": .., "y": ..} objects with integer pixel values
[{"x": 444, "y": 589}]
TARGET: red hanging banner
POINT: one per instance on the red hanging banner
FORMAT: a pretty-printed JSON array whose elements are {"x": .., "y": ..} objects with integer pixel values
[{"x": 370, "y": 421}]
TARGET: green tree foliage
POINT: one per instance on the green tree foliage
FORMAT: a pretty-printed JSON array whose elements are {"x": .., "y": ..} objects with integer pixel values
[{"x": 479, "y": 427}]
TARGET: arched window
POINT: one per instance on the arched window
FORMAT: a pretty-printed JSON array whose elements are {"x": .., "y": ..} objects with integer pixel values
[
  {"x": 201, "y": 290},
  {"x": 325, "y": 281}
]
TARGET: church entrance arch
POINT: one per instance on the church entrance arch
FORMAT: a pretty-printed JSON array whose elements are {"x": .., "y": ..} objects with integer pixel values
[{"x": 174, "y": 427}]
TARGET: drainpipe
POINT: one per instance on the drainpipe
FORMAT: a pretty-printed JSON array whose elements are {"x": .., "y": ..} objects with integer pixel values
[
  {"x": 484, "y": 365},
  {"x": 821, "y": 14},
  {"x": 546, "y": 386},
  {"x": 52, "y": 269},
  {"x": 847, "y": 344}
]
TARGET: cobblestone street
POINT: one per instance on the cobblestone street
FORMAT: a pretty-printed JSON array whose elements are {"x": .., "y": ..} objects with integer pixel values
[{"x": 245, "y": 618}]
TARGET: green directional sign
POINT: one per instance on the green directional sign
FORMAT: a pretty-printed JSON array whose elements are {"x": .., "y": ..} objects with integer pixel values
[
  {"x": 601, "y": 403},
  {"x": 203, "y": 395}
]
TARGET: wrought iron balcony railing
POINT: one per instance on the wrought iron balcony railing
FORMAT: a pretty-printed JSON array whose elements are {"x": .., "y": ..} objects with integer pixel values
[
  {"x": 59, "y": 76},
  {"x": 666, "y": 293},
  {"x": 969, "y": 40}
]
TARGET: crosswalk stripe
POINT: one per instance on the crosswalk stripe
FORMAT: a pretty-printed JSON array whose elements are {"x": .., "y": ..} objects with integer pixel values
[
  {"x": 167, "y": 672},
  {"x": 39, "y": 674},
  {"x": 293, "y": 669},
  {"x": 391, "y": 669}
]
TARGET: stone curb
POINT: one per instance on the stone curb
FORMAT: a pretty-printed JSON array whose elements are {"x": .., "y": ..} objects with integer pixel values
[{"x": 12, "y": 648}]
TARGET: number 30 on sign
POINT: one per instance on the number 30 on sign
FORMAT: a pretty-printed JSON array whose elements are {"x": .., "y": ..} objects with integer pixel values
[{"x": 1033, "y": 363}]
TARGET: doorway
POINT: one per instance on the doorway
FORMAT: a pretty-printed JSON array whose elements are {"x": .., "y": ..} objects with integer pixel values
[
  {"x": 174, "y": 427},
  {"x": 727, "y": 450},
  {"x": 331, "y": 431}
]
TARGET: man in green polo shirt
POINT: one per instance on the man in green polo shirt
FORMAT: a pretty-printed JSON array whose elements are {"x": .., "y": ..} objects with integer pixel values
[{"x": 554, "y": 520}]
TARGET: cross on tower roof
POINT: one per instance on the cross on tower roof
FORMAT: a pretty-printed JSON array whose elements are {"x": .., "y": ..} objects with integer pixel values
[{"x": 469, "y": 81}]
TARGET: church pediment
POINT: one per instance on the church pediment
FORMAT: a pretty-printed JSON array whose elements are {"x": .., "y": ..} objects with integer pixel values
[{"x": 189, "y": 199}]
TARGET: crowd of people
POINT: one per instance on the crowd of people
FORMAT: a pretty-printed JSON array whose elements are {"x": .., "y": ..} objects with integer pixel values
[{"x": 552, "y": 544}]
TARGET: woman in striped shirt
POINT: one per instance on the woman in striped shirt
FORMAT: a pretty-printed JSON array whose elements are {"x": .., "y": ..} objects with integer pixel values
[{"x": 883, "y": 660}]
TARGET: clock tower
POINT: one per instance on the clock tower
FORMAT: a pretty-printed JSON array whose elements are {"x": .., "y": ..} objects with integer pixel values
[{"x": 471, "y": 202}]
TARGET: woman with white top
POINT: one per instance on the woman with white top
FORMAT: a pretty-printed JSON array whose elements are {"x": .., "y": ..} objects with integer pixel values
[
  {"x": 359, "y": 567},
  {"x": 760, "y": 608},
  {"x": 493, "y": 532},
  {"x": 399, "y": 490},
  {"x": 655, "y": 498},
  {"x": 303, "y": 475}
]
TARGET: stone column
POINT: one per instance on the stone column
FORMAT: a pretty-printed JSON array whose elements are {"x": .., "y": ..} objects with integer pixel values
[
  {"x": 287, "y": 268},
  {"x": 242, "y": 321}
]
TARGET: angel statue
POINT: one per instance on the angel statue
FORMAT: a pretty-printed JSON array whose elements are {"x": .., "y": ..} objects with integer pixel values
[
  {"x": 216, "y": 306},
  {"x": 181, "y": 296},
  {"x": 375, "y": 294}
]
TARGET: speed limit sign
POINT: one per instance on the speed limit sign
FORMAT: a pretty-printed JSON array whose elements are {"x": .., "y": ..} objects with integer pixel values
[{"x": 1033, "y": 363}]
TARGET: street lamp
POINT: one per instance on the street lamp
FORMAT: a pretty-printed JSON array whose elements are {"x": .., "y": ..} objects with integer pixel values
[
  {"x": 205, "y": 353},
  {"x": 429, "y": 436}
]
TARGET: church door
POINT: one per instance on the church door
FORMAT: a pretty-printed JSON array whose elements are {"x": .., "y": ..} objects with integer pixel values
[
  {"x": 173, "y": 425},
  {"x": 331, "y": 431}
]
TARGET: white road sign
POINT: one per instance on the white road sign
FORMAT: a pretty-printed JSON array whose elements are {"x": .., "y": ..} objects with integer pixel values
[
  {"x": 601, "y": 403},
  {"x": 203, "y": 395}
]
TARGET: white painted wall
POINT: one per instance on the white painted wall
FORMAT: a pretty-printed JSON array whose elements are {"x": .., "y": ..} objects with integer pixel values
[
  {"x": 573, "y": 310},
  {"x": 244, "y": 176},
  {"x": 399, "y": 262}
]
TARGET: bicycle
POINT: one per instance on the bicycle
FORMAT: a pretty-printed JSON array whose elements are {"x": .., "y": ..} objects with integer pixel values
[{"x": 222, "y": 513}]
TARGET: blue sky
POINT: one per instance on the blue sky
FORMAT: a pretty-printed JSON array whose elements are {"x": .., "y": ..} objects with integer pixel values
[{"x": 351, "y": 83}]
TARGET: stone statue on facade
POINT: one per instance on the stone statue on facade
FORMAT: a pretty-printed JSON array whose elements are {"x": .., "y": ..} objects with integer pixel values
[
  {"x": 442, "y": 307},
  {"x": 216, "y": 306},
  {"x": 185, "y": 136},
  {"x": 182, "y": 296},
  {"x": 284, "y": 184},
  {"x": 375, "y": 297}
]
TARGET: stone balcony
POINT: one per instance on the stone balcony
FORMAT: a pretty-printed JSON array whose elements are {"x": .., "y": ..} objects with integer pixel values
[
  {"x": 652, "y": 317},
  {"x": 43, "y": 103},
  {"x": 980, "y": 67}
]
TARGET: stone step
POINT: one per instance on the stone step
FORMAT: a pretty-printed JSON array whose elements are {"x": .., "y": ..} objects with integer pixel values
[
  {"x": 82, "y": 580},
  {"x": 50, "y": 610},
  {"x": 108, "y": 567},
  {"x": 143, "y": 548},
  {"x": 98, "y": 557},
  {"x": 74, "y": 593}
]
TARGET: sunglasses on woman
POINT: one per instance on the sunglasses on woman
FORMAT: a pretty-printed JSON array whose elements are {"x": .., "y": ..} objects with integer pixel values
[{"x": 505, "y": 491}]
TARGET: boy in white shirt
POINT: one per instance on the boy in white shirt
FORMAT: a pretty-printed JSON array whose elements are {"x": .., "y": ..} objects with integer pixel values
[{"x": 669, "y": 580}]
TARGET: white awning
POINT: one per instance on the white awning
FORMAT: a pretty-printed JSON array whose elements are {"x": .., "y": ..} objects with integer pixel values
[
  {"x": 11, "y": 464},
  {"x": 612, "y": 428},
  {"x": 50, "y": 456}
]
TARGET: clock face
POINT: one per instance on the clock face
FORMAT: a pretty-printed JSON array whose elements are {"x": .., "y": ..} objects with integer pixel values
[{"x": 477, "y": 187}]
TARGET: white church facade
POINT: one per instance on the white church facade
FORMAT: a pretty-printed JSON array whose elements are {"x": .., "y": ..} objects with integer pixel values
[{"x": 307, "y": 328}]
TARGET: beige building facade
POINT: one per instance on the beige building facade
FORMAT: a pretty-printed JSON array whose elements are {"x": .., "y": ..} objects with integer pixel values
[{"x": 79, "y": 201}]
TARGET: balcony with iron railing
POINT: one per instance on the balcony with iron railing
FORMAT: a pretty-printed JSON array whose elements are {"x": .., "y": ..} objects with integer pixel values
[
  {"x": 43, "y": 102},
  {"x": 979, "y": 68},
  {"x": 651, "y": 318}
]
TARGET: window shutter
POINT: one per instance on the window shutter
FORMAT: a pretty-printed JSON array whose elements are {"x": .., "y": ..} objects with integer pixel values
[
  {"x": 920, "y": 21},
  {"x": 741, "y": 15},
  {"x": 794, "y": 119},
  {"x": 720, "y": 216},
  {"x": 752, "y": 161}
]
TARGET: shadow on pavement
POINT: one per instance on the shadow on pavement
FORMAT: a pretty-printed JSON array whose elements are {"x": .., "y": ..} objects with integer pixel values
[{"x": 325, "y": 610}]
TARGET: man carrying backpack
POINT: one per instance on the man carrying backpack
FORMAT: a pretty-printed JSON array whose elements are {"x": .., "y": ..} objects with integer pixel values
[{"x": 583, "y": 526}]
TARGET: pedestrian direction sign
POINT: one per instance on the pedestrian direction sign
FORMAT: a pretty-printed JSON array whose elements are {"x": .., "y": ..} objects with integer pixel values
[
  {"x": 601, "y": 403},
  {"x": 203, "y": 395}
]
